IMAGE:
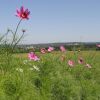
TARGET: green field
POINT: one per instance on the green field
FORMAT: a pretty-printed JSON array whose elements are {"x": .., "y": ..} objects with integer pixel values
[{"x": 50, "y": 78}]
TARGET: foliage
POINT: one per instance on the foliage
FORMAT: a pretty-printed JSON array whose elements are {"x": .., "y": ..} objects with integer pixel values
[{"x": 54, "y": 81}]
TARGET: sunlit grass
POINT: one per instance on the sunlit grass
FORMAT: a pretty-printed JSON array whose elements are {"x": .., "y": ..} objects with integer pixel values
[{"x": 55, "y": 80}]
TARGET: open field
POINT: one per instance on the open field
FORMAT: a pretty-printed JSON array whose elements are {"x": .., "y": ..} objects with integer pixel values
[
  {"x": 50, "y": 78},
  {"x": 53, "y": 56}
]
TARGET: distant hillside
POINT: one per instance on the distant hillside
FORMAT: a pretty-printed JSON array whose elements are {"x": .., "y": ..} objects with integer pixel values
[{"x": 45, "y": 45}]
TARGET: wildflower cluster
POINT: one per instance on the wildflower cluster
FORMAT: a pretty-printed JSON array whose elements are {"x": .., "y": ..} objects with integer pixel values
[{"x": 71, "y": 63}]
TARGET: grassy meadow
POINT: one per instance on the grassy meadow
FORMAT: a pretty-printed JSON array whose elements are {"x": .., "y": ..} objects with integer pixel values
[
  {"x": 50, "y": 78},
  {"x": 50, "y": 71}
]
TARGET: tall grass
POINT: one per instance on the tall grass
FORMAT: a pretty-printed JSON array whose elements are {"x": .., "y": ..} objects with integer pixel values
[{"x": 55, "y": 80}]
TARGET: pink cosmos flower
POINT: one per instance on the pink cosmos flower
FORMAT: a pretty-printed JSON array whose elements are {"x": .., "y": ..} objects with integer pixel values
[
  {"x": 80, "y": 61},
  {"x": 70, "y": 63},
  {"x": 62, "y": 48},
  {"x": 88, "y": 66},
  {"x": 33, "y": 56},
  {"x": 43, "y": 50},
  {"x": 98, "y": 45},
  {"x": 23, "y": 13},
  {"x": 50, "y": 49}
]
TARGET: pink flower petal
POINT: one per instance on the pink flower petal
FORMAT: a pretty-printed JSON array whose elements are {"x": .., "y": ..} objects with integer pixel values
[
  {"x": 80, "y": 61},
  {"x": 23, "y": 13},
  {"x": 70, "y": 63},
  {"x": 43, "y": 50},
  {"x": 50, "y": 49},
  {"x": 62, "y": 48},
  {"x": 88, "y": 66},
  {"x": 98, "y": 45},
  {"x": 33, "y": 56}
]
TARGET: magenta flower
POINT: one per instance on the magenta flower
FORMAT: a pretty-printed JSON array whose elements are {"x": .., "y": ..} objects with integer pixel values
[
  {"x": 33, "y": 56},
  {"x": 70, "y": 63},
  {"x": 50, "y": 49},
  {"x": 43, "y": 50},
  {"x": 62, "y": 48},
  {"x": 80, "y": 61},
  {"x": 23, "y": 13},
  {"x": 88, "y": 66}
]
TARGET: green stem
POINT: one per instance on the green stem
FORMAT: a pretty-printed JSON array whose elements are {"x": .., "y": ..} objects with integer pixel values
[
  {"x": 16, "y": 32},
  {"x": 18, "y": 40}
]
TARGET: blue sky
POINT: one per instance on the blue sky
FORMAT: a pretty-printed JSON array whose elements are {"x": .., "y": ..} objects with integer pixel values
[{"x": 54, "y": 20}]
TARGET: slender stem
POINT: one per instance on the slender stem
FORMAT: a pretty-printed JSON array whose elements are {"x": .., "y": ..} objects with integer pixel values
[
  {"x": 18, "y": 26},
  {"x": 11, "y": 32},
  {"x": 16, "y": 32},
  {"x": 18, "y": 40}
]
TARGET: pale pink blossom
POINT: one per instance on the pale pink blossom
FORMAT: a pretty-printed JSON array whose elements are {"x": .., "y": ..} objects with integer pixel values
[
  {"x": 70, "y": 63},
  {"x": 98, "y": 45},
  {"x": 33, "y": 56},
  {"x": 80, "y": 61},
  {"x": 43, "y": 50},
  {"x": 62, "y": 48},
  {"x": 50, "y": 49},
  {"x": 88, "y": 66}
]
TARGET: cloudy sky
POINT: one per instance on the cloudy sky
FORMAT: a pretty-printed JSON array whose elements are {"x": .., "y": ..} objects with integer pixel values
[{"x": 54, "y": 20}]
